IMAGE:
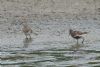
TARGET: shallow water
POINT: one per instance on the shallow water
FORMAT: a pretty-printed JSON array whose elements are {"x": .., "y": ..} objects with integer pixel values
[
  {"x": 51, "y": 58},
  {"x": 51, "y": 51}
]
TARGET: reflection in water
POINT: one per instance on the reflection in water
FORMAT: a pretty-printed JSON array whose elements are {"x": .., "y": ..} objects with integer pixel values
[
  {"x": 27, "y": 42},
  {"x": 76, "y": 47},
  {"x": 52, "y": 58}
]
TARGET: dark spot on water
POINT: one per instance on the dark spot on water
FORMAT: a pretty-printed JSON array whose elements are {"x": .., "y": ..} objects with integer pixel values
[{"x": 93, "y": 62}]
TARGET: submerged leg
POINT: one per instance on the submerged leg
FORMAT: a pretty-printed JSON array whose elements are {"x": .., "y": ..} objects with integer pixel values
[
  {"x": 26, "y": 37},
  {"x": 83, "y": 40}
]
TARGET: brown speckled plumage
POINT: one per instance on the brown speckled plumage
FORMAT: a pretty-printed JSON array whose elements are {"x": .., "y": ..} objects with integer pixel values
[
  {"x": 26, "y": 30},
  {"x": 77, "y": 34}
]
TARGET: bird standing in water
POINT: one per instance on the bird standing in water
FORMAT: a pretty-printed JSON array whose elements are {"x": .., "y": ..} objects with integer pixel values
[
  {"x": 26, "y": 29},
  {"x": 77, "y": 35}
]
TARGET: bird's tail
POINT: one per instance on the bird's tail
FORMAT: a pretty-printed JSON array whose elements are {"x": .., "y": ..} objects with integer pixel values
[
  {"x": 85, "y": 32},
  {"x": 33, "y": 32}
]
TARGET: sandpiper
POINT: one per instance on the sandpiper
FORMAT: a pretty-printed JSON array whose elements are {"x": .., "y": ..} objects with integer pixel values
[
  {"x": 77, "y": 35},
  {"x": 26, "y": 30}
]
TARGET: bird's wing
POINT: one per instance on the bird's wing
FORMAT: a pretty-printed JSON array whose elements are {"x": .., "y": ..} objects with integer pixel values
[{"x": 78, "y": 33}]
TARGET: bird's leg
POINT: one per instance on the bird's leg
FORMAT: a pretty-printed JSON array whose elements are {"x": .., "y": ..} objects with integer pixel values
[
  {"x": 26, "y": 36},
  {"x": 77, "y": 41},
  {"x": 30, "y": 36},
  {"x": 83, "y": 40}
]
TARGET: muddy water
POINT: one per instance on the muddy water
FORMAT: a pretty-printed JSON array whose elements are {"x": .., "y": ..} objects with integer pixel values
[{"x": 52, "y": 49}]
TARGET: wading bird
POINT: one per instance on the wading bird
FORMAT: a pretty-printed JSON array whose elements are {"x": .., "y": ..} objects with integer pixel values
[
  {"x": 26, "y": 29},
  {"x": 77, "y": 35}
]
